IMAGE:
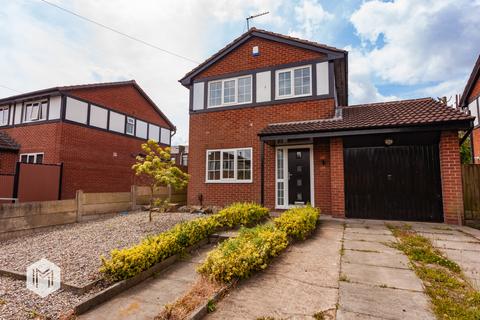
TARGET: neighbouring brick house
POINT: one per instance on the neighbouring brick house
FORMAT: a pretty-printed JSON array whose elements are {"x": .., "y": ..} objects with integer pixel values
[
  {"x": 270, "y": 123},
  {"x": 471, "y": 100},
  {"x": 95, "y": 130},
  {"x": 180, "y": 155}
]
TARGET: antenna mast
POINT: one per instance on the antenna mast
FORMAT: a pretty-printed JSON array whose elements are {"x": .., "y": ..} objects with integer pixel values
[{"x": 255, "y": 16}]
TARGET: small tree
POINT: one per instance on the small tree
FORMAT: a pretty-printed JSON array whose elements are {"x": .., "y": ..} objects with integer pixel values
[{"x": 159, "y": 170}]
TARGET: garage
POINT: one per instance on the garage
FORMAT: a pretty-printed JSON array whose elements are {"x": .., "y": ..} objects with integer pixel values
[{"x": 393, "y": 177}]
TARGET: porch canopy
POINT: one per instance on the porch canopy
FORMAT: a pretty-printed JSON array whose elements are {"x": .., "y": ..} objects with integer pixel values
[{"x": 414, "y": 115}]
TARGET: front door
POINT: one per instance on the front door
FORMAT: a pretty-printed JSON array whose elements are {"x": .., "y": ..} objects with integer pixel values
[{"x": 298, "y": 176}]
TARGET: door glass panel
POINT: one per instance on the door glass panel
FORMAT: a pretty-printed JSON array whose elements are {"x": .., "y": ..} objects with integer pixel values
[
  {"x": 299, "y": 155},
  {"x": 299, "y": 182},
  {"x": 299, "y": 168}
]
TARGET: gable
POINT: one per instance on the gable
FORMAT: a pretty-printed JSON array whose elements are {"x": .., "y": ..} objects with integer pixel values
[{"x": 271, "y": 53}]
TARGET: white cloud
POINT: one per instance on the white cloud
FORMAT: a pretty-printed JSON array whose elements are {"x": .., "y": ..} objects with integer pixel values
[{"x": 310, "y": 17}]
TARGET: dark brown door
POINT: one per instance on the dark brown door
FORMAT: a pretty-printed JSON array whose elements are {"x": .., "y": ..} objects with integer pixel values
[
  {"x": 299, "y": 176},
  {"x": 394, "y": 183}
]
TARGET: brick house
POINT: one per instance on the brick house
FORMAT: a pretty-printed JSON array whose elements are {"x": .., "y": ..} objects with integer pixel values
[
  {"x": 95, "y": 130},
  {"x": 471, "y": 99},
  {"x": 270, "y": 123}
]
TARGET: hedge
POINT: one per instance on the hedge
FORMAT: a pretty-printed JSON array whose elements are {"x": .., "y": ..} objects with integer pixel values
[
  {"x": 298, "y": 223},
  {"x": 239, "y": 257},
  {"x": 128, "y": 262}
]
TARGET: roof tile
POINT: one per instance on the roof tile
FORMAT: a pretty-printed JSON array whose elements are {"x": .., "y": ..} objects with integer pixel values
[{"x": 7, "y": 143}]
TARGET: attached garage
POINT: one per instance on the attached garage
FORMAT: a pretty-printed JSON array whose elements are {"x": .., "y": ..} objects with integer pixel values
[{"x": 393, "y": 177}]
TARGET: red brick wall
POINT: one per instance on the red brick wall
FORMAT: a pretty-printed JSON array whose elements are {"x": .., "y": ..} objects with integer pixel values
[
  {"x": 475, "y": 91},
  {"x": 322, "y": 165},
  {"x": 451, "y": 174},
  {"x": 337, "y": 177},
  {"x": 8, "y": 160},
  {"x": 125, "y": 99},
  {"x": 239, "y": 128},
  {"x": 89, "y": 161},
  {"x": 476, "y": 145},
  {"x": 271, "y": 53}
]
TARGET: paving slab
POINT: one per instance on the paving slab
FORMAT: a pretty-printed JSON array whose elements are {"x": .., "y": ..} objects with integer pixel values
[
  {"x": 368, "y": 246},
  {"x": 346, "y": 315},
  {"x": 370, "y": 237},
  {"x": 383, "y": 303},
  {"x": 376, "y": 259},
  {"x": 364, "y": 230},
  {"x": 382, "y": 276},
  {"x": 459, "y": 237},
  {"x": 457, "y": 245},
  {"x": 298, "y": 284},
  {"x": 145, "y": 300}
]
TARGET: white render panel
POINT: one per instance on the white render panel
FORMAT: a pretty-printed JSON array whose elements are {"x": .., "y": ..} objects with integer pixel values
[
  {"x": 76, "y": 110},
  {"x": 117, "y": 122},
  {"x": 322, "y": 78},
  {"x": 264, "y": 91},
  {"x": 11, "y": 114},
  {"x": 98, "y": 117},
  {"x": 153, "y": 132},
  {"x": 18, "y": 113},
  {"x": 165, "y": 136},
  {"x": 55, "y": 107},
  {"x": 141, "y": 129},
  {"x": 474, "y": 111},
  {"x": 198, "y": 95}
]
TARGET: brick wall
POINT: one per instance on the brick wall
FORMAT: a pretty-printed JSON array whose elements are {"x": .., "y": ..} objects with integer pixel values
[
  {"x": 475, "y": 92},
  {"x": 451, "y": 174},
  {"x": 337, "y": 178},
  {"x": 476, "y": 144},
  {"x": 8, "y": 159},
  {"x": 271, "y": 53}
]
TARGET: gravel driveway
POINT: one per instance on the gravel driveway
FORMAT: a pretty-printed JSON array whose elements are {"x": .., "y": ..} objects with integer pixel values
[{"x": 76, "y": 249}]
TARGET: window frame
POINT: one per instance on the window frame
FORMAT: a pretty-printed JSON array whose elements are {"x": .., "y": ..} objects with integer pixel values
[
  {"x": 133, "y": 126},
  {"x": 235, "y": 166},
  {"x": 34, "y": 154},
  {"x": 292, "y": 83},
  {"x": 38, "y": 104},
  {"x": 4, "y": 110},
  {"x": 222, "y": 97}
]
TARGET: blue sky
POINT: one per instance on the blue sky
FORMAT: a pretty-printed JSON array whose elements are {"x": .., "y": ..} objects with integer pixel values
[{"x": 397, "y": 49}]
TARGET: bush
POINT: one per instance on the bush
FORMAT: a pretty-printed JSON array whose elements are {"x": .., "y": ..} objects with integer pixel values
[
  {"x": 128, "y": 262},
  {"x": 238, "y": 257},
  {"x": 298, "y": 223}
]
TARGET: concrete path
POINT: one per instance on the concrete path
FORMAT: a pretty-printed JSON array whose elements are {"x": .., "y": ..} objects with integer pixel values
[
  {"x": 376, "y": 281},
  {"x": 298, "y": 284},
  {"x": 146, "y": 300},
  {"x": 460, "y": 244}
]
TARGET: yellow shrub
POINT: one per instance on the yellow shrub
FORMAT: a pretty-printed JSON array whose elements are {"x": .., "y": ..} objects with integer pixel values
[
  {"x": 128, "y": 262},
  {"x": 238, "y": 257},
  {"x": 299, "y": 222}
]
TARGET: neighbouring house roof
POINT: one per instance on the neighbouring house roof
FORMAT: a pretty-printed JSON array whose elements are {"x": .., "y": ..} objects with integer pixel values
[
  {"x": 415, "y": 112},
  {"x": 470, "y": 83},
  {"x": 61, "y": 89},
  {"x": 7, "y": 143},
  {"x": 338, "y": 55}
]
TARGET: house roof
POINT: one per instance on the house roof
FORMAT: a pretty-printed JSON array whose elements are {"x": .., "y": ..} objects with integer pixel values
[
  {"x": 415, "y": 112},
  {"x": 60, "y": 89},
  {"x": 470, "y": 83},
  {"x": 254, "y": 32},
  {"x": 7, "y": 143}
]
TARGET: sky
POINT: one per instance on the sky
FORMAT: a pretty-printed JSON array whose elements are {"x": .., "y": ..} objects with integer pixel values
[{"x": 398, "y": 49}]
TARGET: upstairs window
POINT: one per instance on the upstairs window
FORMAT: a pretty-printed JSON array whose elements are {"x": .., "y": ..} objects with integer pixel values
[
  {"x": 229, "y": 165},
  {"x": 4, "y": 116},
  {"x": 230, "y": 91},
  {"x": 294, "y": 82},
  {"x": 35, "y": 111},
  {"x": 130, "y": 126}
]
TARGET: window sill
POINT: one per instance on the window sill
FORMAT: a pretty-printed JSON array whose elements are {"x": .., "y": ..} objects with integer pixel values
[
  {"x": 229, "y": 182},
  {"x": 292, "y": 96},
  {"x": 228, "y": 105}
]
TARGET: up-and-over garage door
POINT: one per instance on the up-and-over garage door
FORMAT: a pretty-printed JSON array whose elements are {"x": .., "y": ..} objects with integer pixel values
[{"x": 400, "y": 181}]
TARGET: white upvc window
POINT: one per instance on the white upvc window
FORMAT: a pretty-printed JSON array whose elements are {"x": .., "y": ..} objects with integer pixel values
[
  {"x": 32, "y": 157},
  {"x": 229, "y": 165},
  {"x": 35, "y": 111},
  {"x": 4, "y": 113},
  {"x": 293, "y": 82},
  {"x": 231, "y": 91},
  {"x": 130, "y": 129}
]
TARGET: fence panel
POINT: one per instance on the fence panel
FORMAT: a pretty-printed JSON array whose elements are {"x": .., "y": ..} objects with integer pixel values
[
  {"x": 6, "y": 186},
  {"x": 38, "y": 182},
  {"x": 471, "y": 191}
]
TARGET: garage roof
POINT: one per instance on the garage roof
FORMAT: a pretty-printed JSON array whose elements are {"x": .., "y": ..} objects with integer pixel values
[
  {"x": 415, "y": 112},
  {"x": 7, "y": 143}
]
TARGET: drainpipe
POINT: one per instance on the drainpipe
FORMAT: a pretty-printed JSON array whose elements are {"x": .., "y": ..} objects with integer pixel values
[{"x": 262, "y": 172}]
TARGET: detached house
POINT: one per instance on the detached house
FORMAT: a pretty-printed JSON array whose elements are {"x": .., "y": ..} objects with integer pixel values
[
  {"x": 94, "y": 130},
  {"x": 471, "y": 100},
  {"x": 270, "y": 123}
]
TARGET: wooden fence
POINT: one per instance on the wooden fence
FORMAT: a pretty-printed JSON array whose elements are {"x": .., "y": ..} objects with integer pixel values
[{"x": 471, "y": 191}]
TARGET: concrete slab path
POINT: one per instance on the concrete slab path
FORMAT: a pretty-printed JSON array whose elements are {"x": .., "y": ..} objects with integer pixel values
[
  {"x": 376, "y": 281},
  {"x": 145, "y": 300},
  {"x": 298, "y": 284}
]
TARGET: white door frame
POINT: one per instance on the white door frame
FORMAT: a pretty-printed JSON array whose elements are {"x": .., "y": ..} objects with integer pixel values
[{"x": 285, "y": 179}]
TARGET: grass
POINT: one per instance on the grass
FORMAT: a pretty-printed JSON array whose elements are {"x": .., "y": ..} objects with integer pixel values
[
  {"x": 343, "y": 278},
  {"x": 451, "y": 295}
]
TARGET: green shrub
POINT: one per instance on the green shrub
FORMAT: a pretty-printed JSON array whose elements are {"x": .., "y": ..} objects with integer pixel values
[
  {"x": 128, "y": 262},
  {"x": 299, "y": 222},
  {"x": 238, "y": 257}
]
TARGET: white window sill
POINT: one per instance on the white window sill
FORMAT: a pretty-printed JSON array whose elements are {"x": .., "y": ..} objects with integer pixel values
[
  {"x": 228, "y": 105},
  {"x": 229, "y": 181},
  {"x": 292, "y": 96}
]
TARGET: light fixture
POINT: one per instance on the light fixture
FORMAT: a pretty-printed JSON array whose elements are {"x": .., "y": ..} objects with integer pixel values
[{"x": 388, "y": 141}]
